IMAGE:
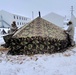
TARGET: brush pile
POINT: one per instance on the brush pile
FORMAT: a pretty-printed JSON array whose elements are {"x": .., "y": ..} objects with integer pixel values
[{"x": 38, "y": 37}]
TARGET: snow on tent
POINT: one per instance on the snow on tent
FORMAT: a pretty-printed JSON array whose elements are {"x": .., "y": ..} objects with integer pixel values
[{"x": 38, "y": 37}]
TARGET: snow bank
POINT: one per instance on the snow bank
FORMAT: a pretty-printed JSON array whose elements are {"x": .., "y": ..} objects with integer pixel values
[{"x": 55, "y": 64}]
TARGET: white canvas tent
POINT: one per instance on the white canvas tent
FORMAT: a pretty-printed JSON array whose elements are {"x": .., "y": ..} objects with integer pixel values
[
  {"x": 73, "y": 19},
  {"x": 54, "y": 18},
  {"x": 70, "y": 18}
]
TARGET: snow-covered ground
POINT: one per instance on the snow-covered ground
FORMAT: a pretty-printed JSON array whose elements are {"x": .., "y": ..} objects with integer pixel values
[
  {"x": 46, "y": 64},
  {"x": 1, "y": 40}
]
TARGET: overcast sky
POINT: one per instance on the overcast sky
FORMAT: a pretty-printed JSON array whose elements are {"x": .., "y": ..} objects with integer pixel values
[{"x": 25, "y": 7}]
